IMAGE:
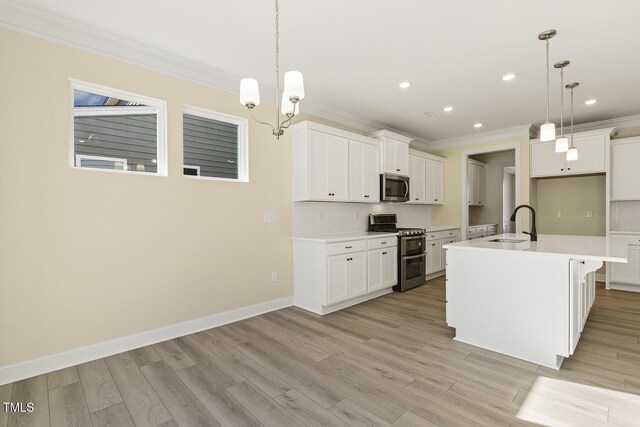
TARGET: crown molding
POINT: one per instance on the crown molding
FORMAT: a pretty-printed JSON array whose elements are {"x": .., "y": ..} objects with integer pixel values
[
  {"x": 617, "y": 123},
  {"x": 49, "y": 26},
  {"x": 478, "y": 138}
]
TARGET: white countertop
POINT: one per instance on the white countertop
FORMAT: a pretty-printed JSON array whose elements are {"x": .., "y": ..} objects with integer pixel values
[
  {"x": 589, "y": 248},
  {"x": 440, "y": 228},
  {"x": 363, "y": 235}
]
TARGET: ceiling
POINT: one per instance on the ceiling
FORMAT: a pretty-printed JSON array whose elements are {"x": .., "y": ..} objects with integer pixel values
[{"x": 354, "y": 53}]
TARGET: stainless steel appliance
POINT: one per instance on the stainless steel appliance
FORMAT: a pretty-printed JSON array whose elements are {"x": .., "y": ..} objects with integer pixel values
[
  {"x": 394, "y": 188},
  {"x": 412, "y": 258}
]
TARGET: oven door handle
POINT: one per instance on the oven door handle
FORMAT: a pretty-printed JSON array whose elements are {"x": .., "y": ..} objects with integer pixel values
[
  {"x": 413, "y": 237},
  {"x": 422, "y": 255}
]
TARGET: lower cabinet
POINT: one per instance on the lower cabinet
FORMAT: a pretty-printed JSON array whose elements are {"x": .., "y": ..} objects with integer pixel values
[
  {"x": 347, "y": 276},
  {"x": 434, "y": 256},
  {"x": 382, "y": 268},
  {"x": 627, "y": 274},
  {"x": 329, "y": 276}
]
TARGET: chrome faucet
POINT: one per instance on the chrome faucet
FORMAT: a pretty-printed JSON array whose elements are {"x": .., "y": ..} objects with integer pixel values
[{"x": 533, "y": 233}]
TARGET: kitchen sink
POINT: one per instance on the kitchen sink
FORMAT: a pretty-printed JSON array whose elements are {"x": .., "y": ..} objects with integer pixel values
[{"x": 507, "y": 240}]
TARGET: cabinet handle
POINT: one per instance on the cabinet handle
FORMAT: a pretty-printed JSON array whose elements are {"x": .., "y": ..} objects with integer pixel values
[
  {"x": 562, "y": 169},
  {"x": 417, "y": 198},
  {"x": 433, "y": 244},
  {"x": 384, "y": 253},
  {"x": 568, "y": 169},
  {"x": 383, "y": 243},
  {"x": 348, "y": 247},
  {"x": 366, "y": 195},
  {"x": 397, "y": 170},
  {"x": 435, "y": 200}
]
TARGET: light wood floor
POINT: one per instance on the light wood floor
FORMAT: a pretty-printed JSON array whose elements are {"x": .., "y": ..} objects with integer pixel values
[{"x": 390, "y": 361}]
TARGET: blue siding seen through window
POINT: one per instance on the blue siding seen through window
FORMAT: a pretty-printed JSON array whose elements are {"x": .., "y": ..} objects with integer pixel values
[{"x": 212, "y": 145}]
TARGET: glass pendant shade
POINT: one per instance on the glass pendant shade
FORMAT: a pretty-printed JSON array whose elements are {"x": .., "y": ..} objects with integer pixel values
[
  {"x": 572, "y": 154},
  {"x": 548, "y": 132},
  {"x": 293, "y": 84},
  {"x": 289, "y": 107},
  {"x": 249, "y": 92},
  {"x": 562, "y": 144}
]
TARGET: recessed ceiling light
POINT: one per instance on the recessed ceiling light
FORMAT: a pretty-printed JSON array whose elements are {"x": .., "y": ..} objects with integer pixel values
[
  {"x": 508, "y": 77},
  {"x": 447, "y": 109},
  {"x": 404, "y": 85},
  {"x": 590, "y": 101},
  {"x": 477, "y": 125}
]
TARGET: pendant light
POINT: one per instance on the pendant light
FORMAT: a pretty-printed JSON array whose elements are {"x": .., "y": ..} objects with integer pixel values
[
  {"x": 548, "y": 129},
  {"x": 572, "y": 153},
  {"x": 293, "y": 91},
  {"x": 562, "y": 143}
]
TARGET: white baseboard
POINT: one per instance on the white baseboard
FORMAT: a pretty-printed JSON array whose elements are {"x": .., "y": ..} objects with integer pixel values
[
  {"x": 601, "y": 277},
  {"x": 31, "y": 368}
]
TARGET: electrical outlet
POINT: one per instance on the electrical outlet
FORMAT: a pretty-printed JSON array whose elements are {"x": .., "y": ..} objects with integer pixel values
[
  {"x": 589, "y": 214},
  {"x": 270, "y": 217},
  {"x": 274, "y": 276},
  {"x": 559, "y": 214}
]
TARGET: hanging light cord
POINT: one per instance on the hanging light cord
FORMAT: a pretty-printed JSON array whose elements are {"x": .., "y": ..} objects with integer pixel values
[
  {"x": 547, "y": 80},
  {"x": 561, "y": 101},
  {"x": 277, "y": 66},
  {"x": 571, "y": 117}
]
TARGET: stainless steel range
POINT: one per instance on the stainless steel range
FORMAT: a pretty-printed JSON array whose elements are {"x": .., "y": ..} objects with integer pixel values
[{"x": 412, "y": 258}]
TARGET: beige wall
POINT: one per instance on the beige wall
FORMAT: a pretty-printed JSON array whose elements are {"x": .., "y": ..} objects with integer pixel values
[
  {"x": 89, "y": 256},
  {"x": 491, "y": 211},
  {"x": 450, "y": 213},
  {"x": 573, "y": 197}
]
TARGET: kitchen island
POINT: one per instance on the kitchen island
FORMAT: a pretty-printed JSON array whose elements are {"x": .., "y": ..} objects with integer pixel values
[{"x": 525, "y": 299}]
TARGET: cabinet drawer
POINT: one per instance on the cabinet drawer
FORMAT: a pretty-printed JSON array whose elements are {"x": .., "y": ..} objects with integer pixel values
[
  {"x": 450, "y": 234},
  {"x": 434, "y": 235},
  {"x": 632, "y": 239},
  {"x": 385, "y": 242},
  {"x": 482, "y": 229},
  {"x": 449, "y": 241},
  {"x": 346, "y": 247}
]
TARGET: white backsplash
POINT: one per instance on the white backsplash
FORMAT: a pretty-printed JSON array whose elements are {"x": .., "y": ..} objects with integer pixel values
[
  {"x": 625, "y": 216},
  {"x": 326, "y": 218}
]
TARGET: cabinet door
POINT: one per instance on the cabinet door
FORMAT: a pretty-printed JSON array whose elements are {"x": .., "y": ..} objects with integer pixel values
[
  {"x": 402, "y": 158},
  {"x": 479, "y": 185},
  {"x": 417, "y": 179},
  {"x": 356, "y": 274},
  {"x": 434, "y": 256},
  {"x": 630, "y": 272},
  {"x": 328, "y": 167},
  {"x": 437, "y": 188},
  {"x": 338, "y": 167},
  {"x": 389, "y": 156},
  {"x": 545, "y": 161},
  {"x": 374, "y": 269},
  {"x": 471, "y": 190},
  {"x": 389, "y": 267},
  {"x": 337, "y": 278},
  {"x": 364, "y": 179},
  {"x": 590, "y": 155},
  {"x": 625, "y": 173}
]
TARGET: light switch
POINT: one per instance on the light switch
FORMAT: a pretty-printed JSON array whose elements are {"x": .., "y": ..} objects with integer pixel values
[
  {"x": 559, "y": 214},
  {"x": 589, "y": 214}
]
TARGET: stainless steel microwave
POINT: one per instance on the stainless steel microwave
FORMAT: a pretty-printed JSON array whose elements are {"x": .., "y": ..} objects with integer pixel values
[{"x": 394, "y": 188}]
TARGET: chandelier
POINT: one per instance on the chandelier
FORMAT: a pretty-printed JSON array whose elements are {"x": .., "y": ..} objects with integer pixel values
[{"x": 293, "y": 92}]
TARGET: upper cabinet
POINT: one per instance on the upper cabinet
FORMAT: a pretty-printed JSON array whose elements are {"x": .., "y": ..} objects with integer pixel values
[
  {"x": 475, "y": 183},
  {"x": 334, "y": 165},
  {"x": 395, "y": 152},
  {"x": 426, "y": 178},
  {"x": 592, "y": 155},
  {"x": 625, "y": 170}
]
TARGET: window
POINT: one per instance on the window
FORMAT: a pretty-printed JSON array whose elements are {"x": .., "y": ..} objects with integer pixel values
[
  {"x": 215, "y": 145},
  {"x": 117, "y": 131}
]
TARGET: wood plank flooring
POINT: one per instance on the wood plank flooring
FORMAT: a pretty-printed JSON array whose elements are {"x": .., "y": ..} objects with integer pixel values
[{"x": 390, "y": 361}]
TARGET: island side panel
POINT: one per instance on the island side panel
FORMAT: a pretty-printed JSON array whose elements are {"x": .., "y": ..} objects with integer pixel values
[{"x": 511, "y": 302}]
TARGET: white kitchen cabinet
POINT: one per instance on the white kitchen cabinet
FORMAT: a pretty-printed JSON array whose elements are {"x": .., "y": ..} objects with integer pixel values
[
  {"x": 592, "y": 155},
  {"x": 334, "y": 165},
  {"x": 625, "y": 170},
  {"x": 417, "y": 179},
  {"x": 426, "y": 178},
  {"x": 331, "y": 274},
  {"x": 364, "y": 175},
  {"x": 395, "y": 152},
  {"x": 435, "y": 182},
  {"x": 629, "y": 273},
  {"x": 382, "y": 268},
  {"x": 434, "y": 256},
  {"x": 475, "y": 183},
  {"x": 347, "y": 274}
]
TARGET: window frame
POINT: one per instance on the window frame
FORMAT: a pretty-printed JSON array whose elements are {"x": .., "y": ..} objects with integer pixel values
[
  {"x": 79, "y": 157},
  {"x": 159, "y": 108},
  {"x": 243, "y": 141}
]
